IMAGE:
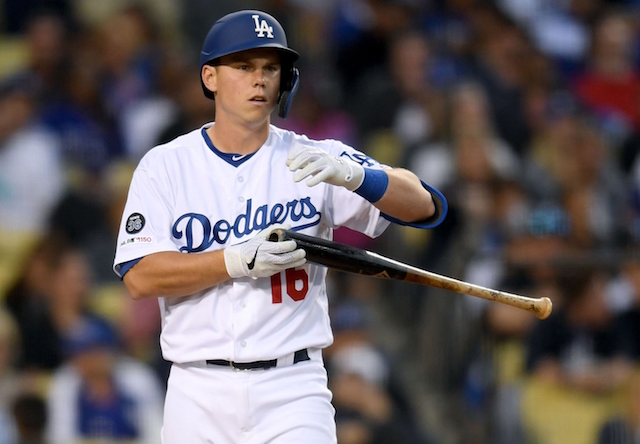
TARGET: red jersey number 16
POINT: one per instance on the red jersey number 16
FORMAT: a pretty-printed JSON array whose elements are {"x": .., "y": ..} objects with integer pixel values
[{"x": 297, "y": 285}]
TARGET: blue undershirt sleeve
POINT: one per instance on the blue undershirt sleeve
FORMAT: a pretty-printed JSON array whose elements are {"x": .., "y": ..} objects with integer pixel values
[
  {"x": 126, "y": 266},
  {"x": 441, "y": 211}
]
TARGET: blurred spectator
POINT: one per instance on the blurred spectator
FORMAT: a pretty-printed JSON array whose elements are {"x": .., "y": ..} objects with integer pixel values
[
  {"x": 30, "y": 413},
  {"x": 16, "y": 13},
  {"x": 27, "y": 151},
  {"x": 87, "y": 217},
  {"x": 575, "y": 347},
  {"x": 500, "y": 63},
  {"x": 399, "y": 97},
  {"x": 77, "y": 114},
  {"x": 540, "y": 82},
  {"x": 477, "y": 153},
  {"x": 628, "y": 322},
  {"x": 81, "y": 211},
  {"x": 561, "y": 30},
  {"x": 129, "y": 56},
  {"x": 132, "y": 55},
  {"x": 570, "y": 164},
  {"x": 47, "y": 36},
  {"x": 624, "y": 429},
  {"x": 100, "y": 394},
  {"x": 370, "y": 407},
  {"x": 449, "y": 24},
  {"x": 32, "y": 177},
  {"x": 362, "y": 31},
  {"x": 610, "y": 85},
  {"x": 193, "y": 108},
  {"x": 47, "y": 300}
]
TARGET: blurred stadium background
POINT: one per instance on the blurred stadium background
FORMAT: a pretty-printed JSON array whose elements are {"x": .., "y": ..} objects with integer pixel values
[{"x": 525, "y": 113}]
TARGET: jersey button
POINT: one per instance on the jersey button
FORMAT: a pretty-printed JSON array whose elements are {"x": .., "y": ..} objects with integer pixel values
[
  {"x": 240, "y": 179},
  {"x": 243, "y": 343},
  {"x": 241, "y": 199}
]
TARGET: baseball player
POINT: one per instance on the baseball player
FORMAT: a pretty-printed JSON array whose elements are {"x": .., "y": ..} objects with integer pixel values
[{"x": 245, "y": 319}]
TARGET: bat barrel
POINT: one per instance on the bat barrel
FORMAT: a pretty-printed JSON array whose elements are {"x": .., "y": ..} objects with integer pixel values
[{"x": 541, "y": 307}]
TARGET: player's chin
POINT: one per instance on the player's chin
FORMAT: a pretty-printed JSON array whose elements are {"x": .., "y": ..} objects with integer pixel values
[{"x": 259, "y": 111}]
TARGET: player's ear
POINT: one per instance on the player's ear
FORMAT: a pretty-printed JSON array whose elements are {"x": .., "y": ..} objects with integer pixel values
[{"x": 210, "y": 78}]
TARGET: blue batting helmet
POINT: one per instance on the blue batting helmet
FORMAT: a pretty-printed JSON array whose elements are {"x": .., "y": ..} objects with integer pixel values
[{"x": 251, "y": 29}]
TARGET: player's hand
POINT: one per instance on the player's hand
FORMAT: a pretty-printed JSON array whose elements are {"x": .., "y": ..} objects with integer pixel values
[
  {"x": 260, "y": 257},
  {"x": 319, "y": 166}
]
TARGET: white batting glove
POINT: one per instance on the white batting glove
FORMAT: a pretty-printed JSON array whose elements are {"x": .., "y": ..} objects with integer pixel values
[
  {"x": 320, "y": 166},
  {"x": 259, "y": 257}
]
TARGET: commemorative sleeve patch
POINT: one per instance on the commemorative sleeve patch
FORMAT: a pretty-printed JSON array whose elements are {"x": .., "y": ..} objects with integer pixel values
[
  {"x": 137, "y": 240},
  {"x": 135, "y": 223}
]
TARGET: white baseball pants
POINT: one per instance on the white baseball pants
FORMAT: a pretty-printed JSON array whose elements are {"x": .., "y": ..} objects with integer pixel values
[{"x": 221, "y": 405}]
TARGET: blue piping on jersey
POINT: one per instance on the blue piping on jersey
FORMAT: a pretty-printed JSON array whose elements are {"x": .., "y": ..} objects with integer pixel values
[{"x": 227, "y": 157}]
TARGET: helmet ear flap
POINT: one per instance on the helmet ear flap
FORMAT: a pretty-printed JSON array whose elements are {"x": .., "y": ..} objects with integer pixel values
[{"x": 289, "y": 88}]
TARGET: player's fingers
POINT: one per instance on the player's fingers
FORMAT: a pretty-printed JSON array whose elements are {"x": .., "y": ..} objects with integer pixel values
[
  {"x": 298, "y": 263},
  {"x": 293, "y": 259},
  {"x": 279, "y": 247},
  {"x": 280, "y": 226},
  {"x": 309, "y": 170},
  {"x": 320, "y": 177},
  {"x": 303, "y": 157},
  {"x": 301, "y": 162},
  {"x": 298, "y": 254},
  {"x": 299, "y": 150},
  {"x": 295, "y": 151},
  {"x": 296, "y": 155},
  {"x": 292, "y": 159}
]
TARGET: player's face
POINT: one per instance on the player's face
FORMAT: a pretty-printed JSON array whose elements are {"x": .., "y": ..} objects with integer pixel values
[{"x": 247, "y": 84}]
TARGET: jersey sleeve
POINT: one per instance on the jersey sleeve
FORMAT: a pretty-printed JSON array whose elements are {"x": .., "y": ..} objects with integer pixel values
[
  {"x": 145, "y": 227},
  {"x": 348, "y": 209}
]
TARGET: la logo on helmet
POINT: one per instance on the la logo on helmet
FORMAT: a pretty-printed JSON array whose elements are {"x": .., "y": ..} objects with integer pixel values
[{"x": 262, "y": 27}]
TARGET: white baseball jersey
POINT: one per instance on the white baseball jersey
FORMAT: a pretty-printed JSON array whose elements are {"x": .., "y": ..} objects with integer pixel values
[{"x": 189, "y": 197}]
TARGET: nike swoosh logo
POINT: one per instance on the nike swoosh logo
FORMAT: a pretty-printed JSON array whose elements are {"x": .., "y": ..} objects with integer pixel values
[
  {"x": 238, "y": 157},
  {"x": 252, "y": 264}
]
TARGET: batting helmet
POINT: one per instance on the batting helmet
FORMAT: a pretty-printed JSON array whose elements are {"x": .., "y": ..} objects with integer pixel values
[{"x": 250, "y": 29}]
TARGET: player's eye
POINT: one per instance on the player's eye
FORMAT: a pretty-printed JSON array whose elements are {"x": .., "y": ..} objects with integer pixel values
[
  {"x": 244, "y": 67},
  {"x": 272, "y": 69}
]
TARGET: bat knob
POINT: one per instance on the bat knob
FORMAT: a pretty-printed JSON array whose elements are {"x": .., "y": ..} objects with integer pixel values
[
  {"x": 276, "y": 236},
  {"x": 544, "y": 308}
]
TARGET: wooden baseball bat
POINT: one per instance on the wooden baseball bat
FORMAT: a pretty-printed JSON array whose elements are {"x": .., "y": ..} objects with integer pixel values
[{"x": 356, "y": 260}]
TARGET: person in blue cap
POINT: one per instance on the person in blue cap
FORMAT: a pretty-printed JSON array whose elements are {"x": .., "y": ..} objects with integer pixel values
[{"x": 100, "y": 394}]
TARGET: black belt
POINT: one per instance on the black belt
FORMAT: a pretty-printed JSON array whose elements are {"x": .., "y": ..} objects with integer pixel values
[{"x": 300, "y": 355}]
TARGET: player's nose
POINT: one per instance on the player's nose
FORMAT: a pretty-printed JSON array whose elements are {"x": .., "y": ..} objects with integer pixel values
[{"x": 259, "y": 77}]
